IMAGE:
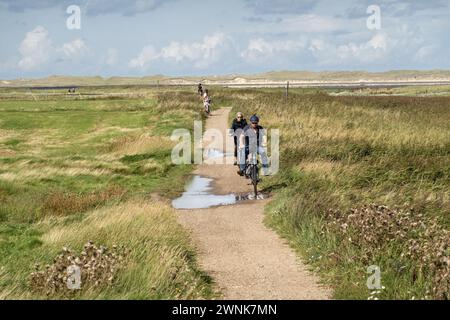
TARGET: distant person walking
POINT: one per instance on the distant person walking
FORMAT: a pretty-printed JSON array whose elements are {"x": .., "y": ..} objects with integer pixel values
[
  {"x": 200, "y": 90},
  {"x": 238, "y": 125}
]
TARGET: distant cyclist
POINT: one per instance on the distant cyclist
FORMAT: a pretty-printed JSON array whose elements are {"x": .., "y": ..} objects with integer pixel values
[
  {"x": 207, "y": 102},
  {"x": 238, "y": 125},
  {"x": 253, "y": 139}
]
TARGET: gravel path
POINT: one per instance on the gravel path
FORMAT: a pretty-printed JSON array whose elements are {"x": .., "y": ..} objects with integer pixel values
[{"x": 246, "y": 259}]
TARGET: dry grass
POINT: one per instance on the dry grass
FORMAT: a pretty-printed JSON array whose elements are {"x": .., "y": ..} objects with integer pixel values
[
  {"x": 46, "y": 172},
  {"x": 158, "y": 262},
  {"x": 7, "y": 292},
  {"x": 376, "y": 228},
  {"x": 139, "y": 144},
  {"x": 319, "y": 166},
  {"x": 114, "y": 219},
  {"x": 65, "y": 152},
  {"x": 345, "y": 152},
  {"x": 60, "y": 203},
  {"x": 7, "y": 134},
  {"x": 7, "y": 153}
]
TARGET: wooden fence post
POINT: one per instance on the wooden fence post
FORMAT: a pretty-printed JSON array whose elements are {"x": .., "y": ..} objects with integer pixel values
[{"x": 287, "y": 90}]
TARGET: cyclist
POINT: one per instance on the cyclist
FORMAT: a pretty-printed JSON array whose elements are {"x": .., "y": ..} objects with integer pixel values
[
  {"x": 206, "y": 101},
  {"x": 238, "y": 125},
  {"x": 253, "y": 139}
]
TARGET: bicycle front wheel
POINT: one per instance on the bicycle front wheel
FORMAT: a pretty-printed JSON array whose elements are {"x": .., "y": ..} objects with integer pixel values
[{"x": 255, "y": 179}]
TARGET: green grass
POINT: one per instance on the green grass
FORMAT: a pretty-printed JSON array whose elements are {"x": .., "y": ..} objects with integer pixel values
[
  {"x": 397, "y": 91},
  {"x": 66, "y": 161},
  {"x": 343, "y": 152},
  {"x": 161, "y": 264}
]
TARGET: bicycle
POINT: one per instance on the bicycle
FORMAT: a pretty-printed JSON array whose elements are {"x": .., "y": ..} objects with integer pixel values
[
  {"x": 252, "y": 172},
  {"x": 207, "y": 108},
  {"x": 207, "y": 105}
]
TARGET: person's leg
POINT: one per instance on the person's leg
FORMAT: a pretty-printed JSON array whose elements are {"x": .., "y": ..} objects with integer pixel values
[
  {"x": 241, "y": 161},
  {"x": 265, "y": 160},
  {"x": 235, "y": 150},
  {"x": 243, "y": 155}
]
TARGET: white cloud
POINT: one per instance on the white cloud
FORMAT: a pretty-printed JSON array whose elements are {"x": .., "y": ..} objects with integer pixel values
[
  {"x": 129, "y": 7},
  {"x": 371, "y": 50},
  {"x": 396, "y": 48},
  {"x": 94, "y": 7},
  {"x": 328, "y": 53},
  {"x": 286, "y": 36},
  {"x": 202, "y": 54},
  {"x": 379, "y": 41},
  {"x": 323, "y": 51},
  {"x": 425, "y": 52},
  {"x": 303, "y": 24},
  {"x": 146, "y": 56},
  {"x": 75, "y": 49},
  {"x": 281, "y": 6},
  {"x": 35, "y": 49},
  {"x": 313, "y": 23},
  {"x": 177, "y": 51},
  {"x": 260, "y": 49},
  {"x": 317, "y": 45}
]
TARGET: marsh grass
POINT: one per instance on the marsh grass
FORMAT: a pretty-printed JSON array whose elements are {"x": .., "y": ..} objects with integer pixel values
[
  {"x": 339, "y": 152},
  {"x": 344, "y": 153},
  {"x": 160, "y": 263},
  {"x": 75, "y": 168}
]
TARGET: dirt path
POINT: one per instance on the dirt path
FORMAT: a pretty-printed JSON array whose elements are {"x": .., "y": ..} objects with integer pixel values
[{"x": 246, "y": 259}]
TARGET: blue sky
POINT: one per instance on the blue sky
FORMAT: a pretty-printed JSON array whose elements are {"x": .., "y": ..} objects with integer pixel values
[{"x": 191, "y": 37}]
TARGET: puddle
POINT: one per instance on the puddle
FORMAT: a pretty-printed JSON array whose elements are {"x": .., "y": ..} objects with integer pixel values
[
  {"x": 198, "y": 196},
  {"x": 215, "y": 155}
]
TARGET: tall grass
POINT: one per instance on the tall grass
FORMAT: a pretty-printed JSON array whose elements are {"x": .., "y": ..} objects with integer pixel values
[
  {"x": 160, "y": 263},
  {"x": 79, "y": 168},
  {"x": 341, "y": 152}
]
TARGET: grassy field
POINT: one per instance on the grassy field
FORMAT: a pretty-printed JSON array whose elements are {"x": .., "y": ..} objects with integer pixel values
[
  {"x": 82, "y": 167},
  {"x": 342, "y": 159},
  {"x": 364, "y": 180},
  {"x": 421, "y": 91}
]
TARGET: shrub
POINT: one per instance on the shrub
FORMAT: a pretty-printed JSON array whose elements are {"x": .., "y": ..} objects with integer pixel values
[
  {"x": 421, "y": 240},
  {"x": 98, "y": 267}
]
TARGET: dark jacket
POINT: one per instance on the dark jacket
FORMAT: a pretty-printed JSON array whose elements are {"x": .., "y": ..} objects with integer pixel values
[{"x": 238, "y": 125}]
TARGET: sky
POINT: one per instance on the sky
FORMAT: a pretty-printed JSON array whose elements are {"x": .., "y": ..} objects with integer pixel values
[{"x": 215, "y": 37}]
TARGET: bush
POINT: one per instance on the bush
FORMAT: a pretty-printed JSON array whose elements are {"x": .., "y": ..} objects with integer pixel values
[
  {"x": 98, "y": 267},
  {"x": 422, "y": 242}
]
